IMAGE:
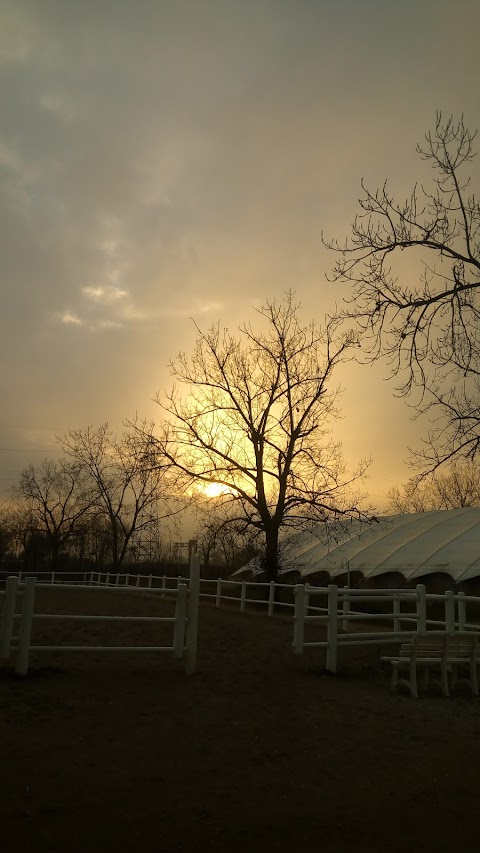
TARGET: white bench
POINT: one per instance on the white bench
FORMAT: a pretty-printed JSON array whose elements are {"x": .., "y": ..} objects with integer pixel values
[{"x": 454, "y": 654}]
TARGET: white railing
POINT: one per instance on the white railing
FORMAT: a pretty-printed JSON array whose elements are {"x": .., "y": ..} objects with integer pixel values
[
  {"x": 218, "y": 589},
  {"x": 221, "y": 590},
  {"x": 338, "y": 616},
  {"x": 337, "y": 611},
  {"x": 185, "y": 621}
]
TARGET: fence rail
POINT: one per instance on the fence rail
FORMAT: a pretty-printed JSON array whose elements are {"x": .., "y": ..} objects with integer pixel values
[
  {"x": 403, "y": 612},
  {"x": 339, "y": 616},
  {"x": 20, "y": 591}
]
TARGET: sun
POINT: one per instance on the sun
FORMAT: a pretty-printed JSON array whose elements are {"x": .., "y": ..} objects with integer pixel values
[{"x": 214, "y": 490}]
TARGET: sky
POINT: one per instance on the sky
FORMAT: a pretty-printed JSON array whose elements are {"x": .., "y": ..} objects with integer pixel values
[{"x": 162, "y": 161}]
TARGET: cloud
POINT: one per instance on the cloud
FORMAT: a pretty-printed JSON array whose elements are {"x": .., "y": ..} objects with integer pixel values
[
  {"x": 58, "y": 105},
  {"x": 104, "y": 295},
  {"x": 68, "y": 318}
]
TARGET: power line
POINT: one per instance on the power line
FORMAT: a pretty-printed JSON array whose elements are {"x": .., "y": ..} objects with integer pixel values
[{"x": 28, "y": 450}]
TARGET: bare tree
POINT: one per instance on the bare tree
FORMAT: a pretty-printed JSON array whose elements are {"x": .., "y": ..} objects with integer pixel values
[
  {"x": 7, "y": 530},
  {"x": 255, "y": 419},
  {"x": 219, "y": 533},
  {"x": 52, "y": 498},
  {"x": 457, "y": 487},
  {"x": 428, "y": 330},
  {"x": 128, "y": 492}
]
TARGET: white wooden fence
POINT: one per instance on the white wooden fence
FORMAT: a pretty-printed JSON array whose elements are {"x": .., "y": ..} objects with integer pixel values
[
  {"x": 217, "y": 589},
  {"x": 400, "y": 612},
  {"x": 338, "y": 615},
  {"x": 18, "y": 591}
]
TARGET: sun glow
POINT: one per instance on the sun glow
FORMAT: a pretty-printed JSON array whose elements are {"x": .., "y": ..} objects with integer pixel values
[{"x": 214, "y": 490}]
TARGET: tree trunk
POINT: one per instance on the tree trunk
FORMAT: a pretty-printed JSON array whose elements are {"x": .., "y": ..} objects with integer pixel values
[{"x": 271, "y": 553}]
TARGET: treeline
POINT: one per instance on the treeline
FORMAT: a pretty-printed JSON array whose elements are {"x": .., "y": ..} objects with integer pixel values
[
  {"x": 104, "y": 505},
  {"x": 98, "y": 503}
]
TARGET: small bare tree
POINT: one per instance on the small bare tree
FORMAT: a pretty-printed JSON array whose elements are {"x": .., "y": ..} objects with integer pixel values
[
  {"x": 255, "y": 420},
  {"x": 53, "y": 499},
  {"x": 128, "y": 492},
  {"x": 428, "y": 330}
]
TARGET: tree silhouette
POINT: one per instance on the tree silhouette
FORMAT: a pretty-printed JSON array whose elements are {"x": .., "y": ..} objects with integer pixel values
[{"x": 255, "y": 418}]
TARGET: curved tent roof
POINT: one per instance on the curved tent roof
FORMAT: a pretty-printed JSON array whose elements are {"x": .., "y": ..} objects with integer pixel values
[{"x": 414, "y": 544}]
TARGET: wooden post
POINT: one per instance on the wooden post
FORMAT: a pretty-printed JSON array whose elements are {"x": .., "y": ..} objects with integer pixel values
[
  {"x": 149, "y": 581},
  {"x": 299, "y": 619},
  {"x": 450, "y": 611},
  {"x": 332, "y": 630},
  {"x": 271, "y": 597},
  {"x": 21, "y": 661},
  {"x": 52, "y": 577},
  {"x": 8, "y": 616},
  {"x": 462, "y": 611},
  {"x": 180, "y": 617},
  {"x": 345, "y": 608},
  {"x": 421, "y": 608},
  {"x": 218, "y": 594},
  {"x": 164, "y": 585},
  {"x": 243, "y": 595},
  {"x": 117, "y": 579},
  {"x": 192, "y": 612},
  {"x": 127, "y": 579},
  {"x": 138, "y": 580}
]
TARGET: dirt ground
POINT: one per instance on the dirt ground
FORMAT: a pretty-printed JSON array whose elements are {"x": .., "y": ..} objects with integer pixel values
[{"x": 259, "y": 750}]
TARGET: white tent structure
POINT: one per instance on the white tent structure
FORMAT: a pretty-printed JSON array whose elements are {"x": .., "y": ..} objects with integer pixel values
[{"x": 414, "y": 545}]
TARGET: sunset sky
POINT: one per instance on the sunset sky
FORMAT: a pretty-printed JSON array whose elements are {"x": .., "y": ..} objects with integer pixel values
[{"x": 162, "y": 161}]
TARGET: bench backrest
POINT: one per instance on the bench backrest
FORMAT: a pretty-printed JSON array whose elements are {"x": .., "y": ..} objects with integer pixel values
[{"x": 454, "y": 646}]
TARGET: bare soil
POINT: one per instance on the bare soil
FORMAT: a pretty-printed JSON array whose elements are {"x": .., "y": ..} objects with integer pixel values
[{"x": 258, "y": 750}]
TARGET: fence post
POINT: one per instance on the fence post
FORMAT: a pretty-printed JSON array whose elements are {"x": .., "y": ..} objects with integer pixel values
[
  {"x": 299, "y": 619},
  {"x": 52, "y": 579},
  {"x": 107, "y": 579},
  {"x": 138, "y": 580},
  {"x": 345, "y": 608},
  {"x": 127, "y": 579},
  {"x": 117, "y": 579},
  {"x": 450, "y": 611},
  {"x": 192, "y": 612},
  {"x": 271, "y": 597},
  {"x": 180, "y": 617},
  {"x": 20, "y": 576},
  {"x": 164, "y": 585},
  {"x": 218, "y": 594},
  {"x": 8, "y": 616},
  {"x": 421, "y": 608},
  {"x": 25, "y": 632},
  {"x": 332, "y": 630},
  {"x": 243, "y": 595},
  {"x": 149, "y": 581},
  {"x": 91, "y": 579},
  {"x": 462, "y": 611},
  {"x": 397, "y": 625}
]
